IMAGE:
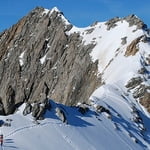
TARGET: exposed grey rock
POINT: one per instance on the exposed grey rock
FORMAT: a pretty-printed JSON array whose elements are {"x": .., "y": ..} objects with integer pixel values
[
  {"x": 140, "y": 91},
  {"x": 38, "y": 60},
  {"x": 94, "y": 24},
  {"x": 61, "y": 115},
  {"x": 1, "y": 107},
  {"x": 138, "y": 119},
  {"x": 145, "y": 39},
  {"x": 112, "y": 23},
  {"x": 40, "y": 115},
  {"x": 82, "y": 108},
  {"x": 28, "y": 109},
  {"x": 101, "y": 109},
  {"x": 46, "y": 104},
  {"x": 88, "y": 31},
  {"x": 134, "y": 20},
  {"x": 39, "y": 109},
  {"x": 147, "y": 61},
  {"x": 35, "y": 110},
  {"x": 134, "y": 82},
  {"x": 124, "y": 40},
  {"x": 9, "y": 104},
  {"x": 142, "y": 71}
]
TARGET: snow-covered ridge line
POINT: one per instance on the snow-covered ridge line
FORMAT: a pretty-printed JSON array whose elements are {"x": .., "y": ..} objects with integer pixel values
[
  {"x": 111, "y": 113},
  {"x": 110, "y": 45},
  {"x": 60, "y": 14},
  {"x": 54, "y": 9}
]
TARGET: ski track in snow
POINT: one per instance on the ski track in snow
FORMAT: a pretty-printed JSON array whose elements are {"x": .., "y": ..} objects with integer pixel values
[
  {"x": 66, "y": 138},
  {"x": 27, "y": 127}
]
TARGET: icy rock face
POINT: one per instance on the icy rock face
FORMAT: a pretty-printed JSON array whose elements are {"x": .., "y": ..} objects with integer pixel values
[{"x": 39, "y": 60}]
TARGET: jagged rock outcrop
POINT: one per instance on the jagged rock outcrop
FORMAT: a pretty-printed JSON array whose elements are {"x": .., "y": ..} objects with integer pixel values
[
  {"x": 61, "y": 115},
  {"x": 134, "y": 20},
  {"x": 145, "y": 100},
  {"x": 28, "y": 109},
  {"x": 124, "y": 40},
  {"x": 42, "y": 58},
  {"x": 39, "y": 60},
  {"x": 140, "y": 91},
  {"x": 131, "y": 19},
  {"x": 112, "y": 23},
  {"x": 132, "y": 48}
]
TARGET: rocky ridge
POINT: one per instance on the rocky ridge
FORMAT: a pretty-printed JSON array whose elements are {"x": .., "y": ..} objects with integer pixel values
[
  {"x": 44, "y": 57},
  {"x": 38, "y": 60}
]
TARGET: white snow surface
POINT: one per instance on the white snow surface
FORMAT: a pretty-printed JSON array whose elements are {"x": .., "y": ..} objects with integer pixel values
[
  {"x": 54, "y": 9},
  {"x": 43, "y": 59},
  {"x": 83, "y": 132},
  {"x": 110, "y": 52},
  {"x": 21, "y": 58}
]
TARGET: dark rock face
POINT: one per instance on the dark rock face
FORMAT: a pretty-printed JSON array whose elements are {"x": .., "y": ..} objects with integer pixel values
[
  {"x": 140, "y": 91},
  {"x": 83, "y": 108},
  {"x": 124, "y": 40},
  {"x": 112, "y": 23},
  {"x": 134, "y": 82},
  {"x": 134, "y": 20},
  {"x": 27, "y": 109},
  {"x": 39, "y": 60},
  {"x": 37, "y": 109},
  {"x": 131, "y": 19},
  {"x": 10, "y": 100}
]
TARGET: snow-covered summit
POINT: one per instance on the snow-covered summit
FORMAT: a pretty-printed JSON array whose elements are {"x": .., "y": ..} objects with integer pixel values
[
  {"x": 103, "y": 68},
  {"x": 54, "y": 9},
  {"x": 111, "y": 40},
  {"x": 59, "y": 14}
]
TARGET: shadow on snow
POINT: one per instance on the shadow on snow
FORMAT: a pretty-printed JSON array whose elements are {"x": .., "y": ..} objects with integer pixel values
[{"x": 74, "y": 117}]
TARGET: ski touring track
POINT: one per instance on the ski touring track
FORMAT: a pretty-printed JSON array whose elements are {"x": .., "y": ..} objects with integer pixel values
[
  {"x": 65, "y": 137},
  {"x": 28, "y": 127}
]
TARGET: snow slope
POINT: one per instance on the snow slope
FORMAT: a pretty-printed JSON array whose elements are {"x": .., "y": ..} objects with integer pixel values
[{"x": 92, "y": 131}]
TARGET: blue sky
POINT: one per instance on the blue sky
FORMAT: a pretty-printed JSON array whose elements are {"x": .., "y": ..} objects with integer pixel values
[{"x": 79, "y": 12}]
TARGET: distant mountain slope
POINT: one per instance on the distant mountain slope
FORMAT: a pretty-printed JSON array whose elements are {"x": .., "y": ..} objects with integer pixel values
[{"x": 102, "y": 72}]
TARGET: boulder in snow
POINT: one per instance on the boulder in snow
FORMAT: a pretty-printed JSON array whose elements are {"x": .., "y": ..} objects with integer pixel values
[{"x": 61, "y": 115}]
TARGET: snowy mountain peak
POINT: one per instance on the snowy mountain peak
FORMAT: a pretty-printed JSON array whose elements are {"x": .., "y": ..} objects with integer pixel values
[
  {"x": 73, "y": 87},
  {"x": 56, "y": 11}
]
